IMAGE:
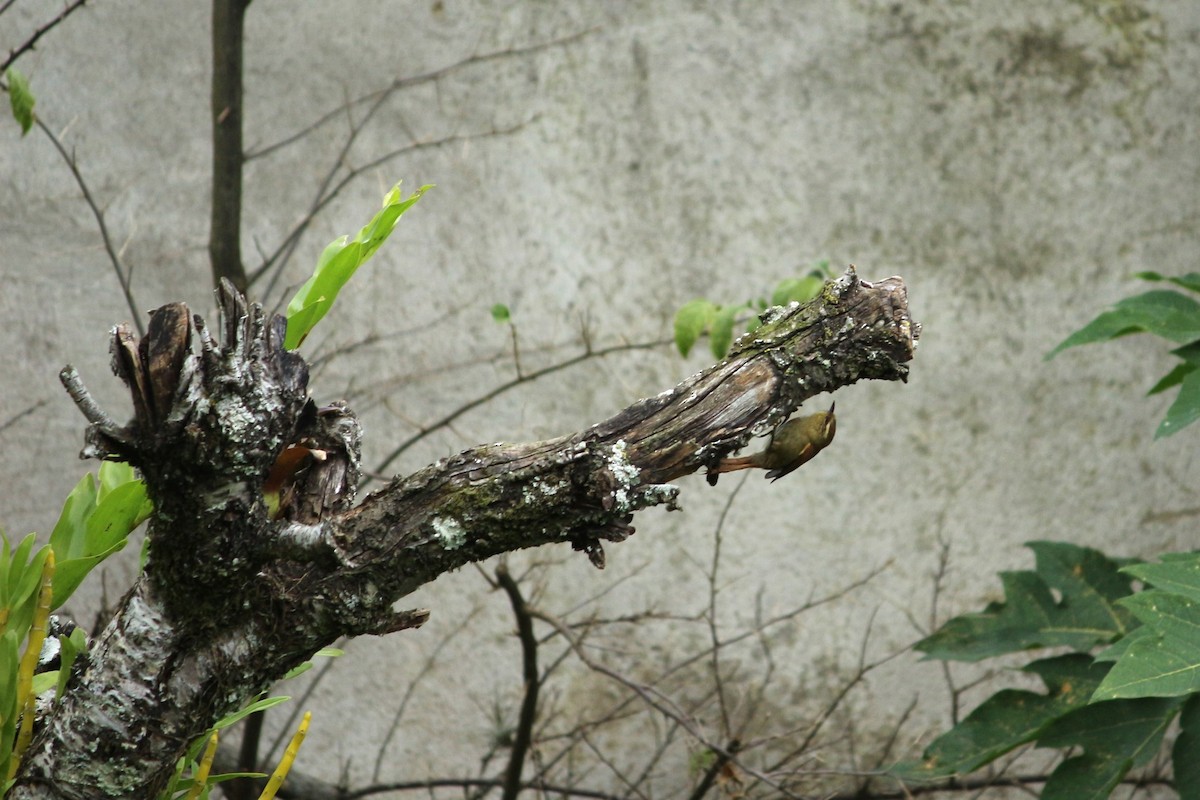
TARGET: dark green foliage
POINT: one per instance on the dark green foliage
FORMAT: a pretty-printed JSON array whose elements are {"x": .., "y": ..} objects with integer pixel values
[{"x": 1166, "y": 313}]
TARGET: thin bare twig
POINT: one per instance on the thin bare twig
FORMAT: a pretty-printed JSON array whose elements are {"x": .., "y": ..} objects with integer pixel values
[
  {"x": 410, "y": 691},
  {"x": 29, "y": 43},
  {"x": 402, "y": 83},
  {"x": 8, "y": 423},
  {"x": 718, "y": 765},
  {"x": 711, "y": 611},
  {"x": 325, "y": 195},
  {"x": 501, "y": 389},
  {"x": 475, "y": 783},
  {"x": 653, "y": 698},
  {"x": 123, "y": 275}
]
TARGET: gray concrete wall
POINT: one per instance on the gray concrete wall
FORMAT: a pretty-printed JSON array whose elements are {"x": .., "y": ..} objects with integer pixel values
[{"x": 1015, "y": 162}]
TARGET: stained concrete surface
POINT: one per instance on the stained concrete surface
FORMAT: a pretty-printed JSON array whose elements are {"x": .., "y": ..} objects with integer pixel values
[{"x": 1014, "y": 162}]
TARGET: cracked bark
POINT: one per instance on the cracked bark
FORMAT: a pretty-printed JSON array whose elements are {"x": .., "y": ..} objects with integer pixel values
[{"x": 231, "y": 599}]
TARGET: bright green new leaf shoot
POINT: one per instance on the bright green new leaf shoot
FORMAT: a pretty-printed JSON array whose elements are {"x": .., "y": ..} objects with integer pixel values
[{"x": 339, "y": 262}]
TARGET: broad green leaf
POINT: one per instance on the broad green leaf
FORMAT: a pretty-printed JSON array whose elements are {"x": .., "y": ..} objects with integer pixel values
[
  {"x": 338, "y": 262},
  {"x": 106, "y": 530},
  {"x": 1115, "y": 735},
  {"x": 1118, "y": 648},
  {"x": 116, "y": 516},
  {"x": 1086, "y": 615},
  {"x": 1165, "y": 664},
  {"x": 800, "y": 290},
  {"x": 690, "y": 322},
  {"x": 1189, "y": 281},
  {"x": 500, "y": 313},
  {"x": 1178, "y": 573},
  {"x": 1189, "y": 353},
  {"x": 45, "y": 681},
  {"x": 1185, "y": 755},
  {"x": 1172, "y": 378},
  {"x": 69, "y": 537},
  {"x": 1169, "y": 314},
  {"x": 1185, "y": 410},
  {"x": 21, "y": 99},
  {"x": 113, "y": 474},
  {"x": 721, "y": 331},
  {"x": 1007, "y": 719}
]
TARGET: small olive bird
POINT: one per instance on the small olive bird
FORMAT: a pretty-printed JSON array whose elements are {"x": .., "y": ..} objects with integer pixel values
[{"x": 792, "y": 444}]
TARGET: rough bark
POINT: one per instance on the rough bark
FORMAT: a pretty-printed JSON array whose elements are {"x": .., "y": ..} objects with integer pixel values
[{"x": 231, "y": 599}]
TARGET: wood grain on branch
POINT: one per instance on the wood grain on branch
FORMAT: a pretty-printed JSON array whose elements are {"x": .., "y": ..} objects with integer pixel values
[{"x": 233, "y": 595}]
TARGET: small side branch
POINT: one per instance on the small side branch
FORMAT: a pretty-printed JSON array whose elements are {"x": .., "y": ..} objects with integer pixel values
[
  {"x": 529, "y": 668},
  {"x": 29, "y": 43},
  {"x": 123, "y": 275}
]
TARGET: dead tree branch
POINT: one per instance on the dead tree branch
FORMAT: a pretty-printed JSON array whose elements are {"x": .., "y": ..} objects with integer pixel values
[{"x": 232, "y": 597}]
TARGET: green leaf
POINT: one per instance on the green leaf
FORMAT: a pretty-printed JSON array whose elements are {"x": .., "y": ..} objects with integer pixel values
[
  {"x": 800, "y": 290},
  {"x": 256, "y": 706},
  {"x": 1115, "y": 735},
  {"x": 1162, "y": 312},
  {"x": 324, "y": 652},
  {"x": 24, "y": 579},
  {"x": 1172, "y": 378},
  {"x": 69, "y": 537},
  {"x": 21, "y": 99},
  {"x": 113, "y": 474},
  {"x": 1185, "y": 410},
  {"x": 1089, "y": 585},
  {"x": 691, "y": 321},
  {"x": 1165, "y": 663},
  {"x": 71, "y": 646},
  {"x": 1185, "y": 755},
  {"x": 721, "y": 330},
  {"x": 338, "y": 262},
  {"x": 1007, "y": 719},
  {"x": 45, "y": 681},
  {"x": 1189, "y": 281},
  {"x": 9, "y": 661},
  {"x": 106, "y": 531},
  {"x": 500, "y": 313},
  {"x": 1178, "y": 573}
]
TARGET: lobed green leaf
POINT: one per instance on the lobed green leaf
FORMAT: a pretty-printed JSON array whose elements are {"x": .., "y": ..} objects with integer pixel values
[
  {"x": 1084, "y": 616},
  {"x": 1007, "y": 720},
  {"x": 1115, "y": 735},
  {"x": 1185, "y": 755}
]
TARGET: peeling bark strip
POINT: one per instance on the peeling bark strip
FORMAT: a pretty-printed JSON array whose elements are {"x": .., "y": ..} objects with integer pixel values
[{"x": 232, "y": 596}]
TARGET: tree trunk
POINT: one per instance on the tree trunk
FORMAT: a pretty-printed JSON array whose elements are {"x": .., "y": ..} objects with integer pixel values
[{"x": 232, "y": 598}]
